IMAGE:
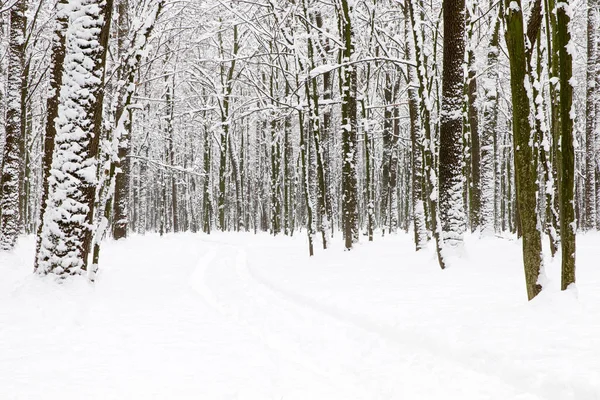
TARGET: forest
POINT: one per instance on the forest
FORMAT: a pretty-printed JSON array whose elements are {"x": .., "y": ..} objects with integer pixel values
[{"x": 339, "y": 122}]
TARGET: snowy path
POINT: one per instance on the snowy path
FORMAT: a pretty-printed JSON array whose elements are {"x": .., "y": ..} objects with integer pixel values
[
  {"x": 356, "y": 355},
  {"x": 237, "y": 316}
]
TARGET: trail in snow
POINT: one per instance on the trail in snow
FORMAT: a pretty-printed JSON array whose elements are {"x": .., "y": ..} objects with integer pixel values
[
  {"x": 239, "y": 316},
  {"x": 350, "y": 352}
]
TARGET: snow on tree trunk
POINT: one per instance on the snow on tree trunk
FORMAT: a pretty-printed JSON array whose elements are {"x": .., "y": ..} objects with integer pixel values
[
  {"x": 416, "y": 136},
  {"x": 118, "y": 150},
  {"x": 227, "y": 83},
  {"x": 488, "y": 134},
  {"x": 11, "y": 180},
  {"x": 349, "y": 135},
  {"x": 426, "y": 103},
  {"x": 122, "y": 181},
  {"x": 66, "y": 230},
  {"x": 56, "y": 75},
  {"x": 471, "y": 120},
  {"x": 597, "y": 117},
  {"x": 524, "y": 159},
  {"x": 451, "y": 180},
  {"x": 566, "y": 158},
  {"x": 592, "y": 92}
]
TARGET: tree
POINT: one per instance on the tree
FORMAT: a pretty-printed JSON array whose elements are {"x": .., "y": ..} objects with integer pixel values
[
  {"x": 66, "y": 230},
  {"x": 524, "y": 160},
  {"x": 349, "y": 136},
  {"x": 121, "y": 197},
  {"x": 566, "y": 155},
  {"x": 471, "y": 123},
  {"x": 52, "y": 104},
  {"x": 488, "y": 134},
  {"x": 418, "y": 201},
  {"x": 452, "y": 215},
  {"x": 591, "y": 124},
  {"x": 11, "y": 180}
]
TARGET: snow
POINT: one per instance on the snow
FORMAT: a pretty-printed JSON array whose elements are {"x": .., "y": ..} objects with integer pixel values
[
  {"x": 322, "y": 69},
  {"x": 239, "y": 316}
]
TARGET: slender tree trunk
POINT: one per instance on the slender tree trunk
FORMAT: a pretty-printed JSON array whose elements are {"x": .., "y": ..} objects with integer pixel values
[
  {"x": 121, "y": 197},
  {"x": 416, "y": 136},
  {"x": 310, "y": 229},
  {"x": 349, "y": 136},
  {"x": 430, "y": 174},
  {"x": 567, "y": 153},
  {"x": 488, "y": 134},
  {"x": 228, "y": 87},
  {"x": 473, "y": 125},
  {"x": 275, "y": 173},
  {"x": 388, "y": 126}
]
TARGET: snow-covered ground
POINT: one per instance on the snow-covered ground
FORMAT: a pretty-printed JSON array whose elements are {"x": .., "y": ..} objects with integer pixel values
[{"x": 239, "y": 316}]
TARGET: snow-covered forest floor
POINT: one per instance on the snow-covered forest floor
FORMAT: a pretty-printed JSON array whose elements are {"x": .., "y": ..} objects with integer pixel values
[{"x": 239, "y": 316}]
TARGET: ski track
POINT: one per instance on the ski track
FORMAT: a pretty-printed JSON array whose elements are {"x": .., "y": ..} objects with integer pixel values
[
  {"x": 342, "y": 348},
  {"x": 402, "y": 337},
  {"x": 271, "y": 340}
]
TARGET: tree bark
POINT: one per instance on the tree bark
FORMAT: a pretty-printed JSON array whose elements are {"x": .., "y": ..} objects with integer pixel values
[
  {"x": 452, "y": 214},
  {"x": 12, "y": 164},
  {"x": 349, "y": 136},
  {"x": 566, "y": 159},
  {"x": 525, "y": 160}
]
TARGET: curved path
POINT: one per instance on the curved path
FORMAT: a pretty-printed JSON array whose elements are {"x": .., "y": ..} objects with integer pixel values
[{"x": 358, "y": 357}]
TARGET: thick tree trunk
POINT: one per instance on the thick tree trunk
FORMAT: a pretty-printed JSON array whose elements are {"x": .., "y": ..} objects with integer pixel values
[
  {"x": 66, "y": 234},
  {"x": 452, "y": 214},
  {"x": 525, "y": 160},
  {"x": 56, "y": 70},
  {"x": 11, "y": 179},
  {"x": 592, "y": 93}
]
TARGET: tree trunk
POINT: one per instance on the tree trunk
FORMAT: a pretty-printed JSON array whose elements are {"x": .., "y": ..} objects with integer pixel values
[
  {"x": 566, "y": 159},
  {"x": 349, "y": 136},
  {"x": 66, "y": 234},
  {"x": 11, "y": 180},
  {"x": 416, "y": 136},
  {"x": 122, "y": 181},
  {"x": 452, "y": 213},
  {"x": 592, "y": 94},
  {"x": 488, "y": 134},
  {"x": 56, "y": 70},
  {"x": 525, "y": 160}
]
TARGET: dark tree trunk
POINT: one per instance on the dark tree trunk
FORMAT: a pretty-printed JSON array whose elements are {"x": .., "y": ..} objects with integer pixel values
[
  {"x": 567, "y": 153},
  {"x": 12, "y": 164},
  {"x": 349, "y": 136},
  {"x": 452, "y": 215},
  {"x": 524, "y": 159},
  {"x": 56, "y": 69},
  {"x": 123, "y": 178}
]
